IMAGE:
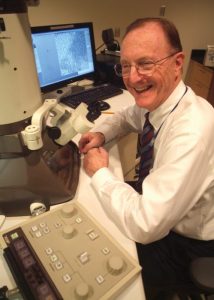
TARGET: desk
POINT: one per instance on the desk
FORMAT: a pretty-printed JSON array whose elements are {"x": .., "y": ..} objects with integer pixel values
[{"x": 87, "y": 197}]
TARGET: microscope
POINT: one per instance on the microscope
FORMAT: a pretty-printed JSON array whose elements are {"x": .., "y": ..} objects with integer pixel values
[{"x": 38, "y": 161}]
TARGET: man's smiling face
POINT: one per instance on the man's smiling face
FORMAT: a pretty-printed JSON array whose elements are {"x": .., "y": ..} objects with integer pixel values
[{"x": 149, "y": 43}]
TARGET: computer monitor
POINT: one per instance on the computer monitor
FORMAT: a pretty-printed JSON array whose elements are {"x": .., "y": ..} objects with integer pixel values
[{"x": 63, "y": 53}]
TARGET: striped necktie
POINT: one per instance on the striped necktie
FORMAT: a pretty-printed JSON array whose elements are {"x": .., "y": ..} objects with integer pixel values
[{"x": 145, "y": 151}]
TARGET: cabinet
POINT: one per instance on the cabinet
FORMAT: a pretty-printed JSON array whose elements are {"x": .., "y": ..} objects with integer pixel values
[{"x": 201, "y": 79}]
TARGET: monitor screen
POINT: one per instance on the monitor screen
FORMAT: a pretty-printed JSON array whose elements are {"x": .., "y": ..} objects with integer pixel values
[{"x": 63, "y": 53}]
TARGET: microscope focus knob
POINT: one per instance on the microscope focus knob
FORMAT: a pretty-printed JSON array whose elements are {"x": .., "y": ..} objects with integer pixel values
[{"x": 54, "y": 132}]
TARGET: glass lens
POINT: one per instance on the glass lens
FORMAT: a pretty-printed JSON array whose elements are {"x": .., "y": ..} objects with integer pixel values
[
  {"x": 146, "y": 66},
  {"x": 118, "y": 69}
]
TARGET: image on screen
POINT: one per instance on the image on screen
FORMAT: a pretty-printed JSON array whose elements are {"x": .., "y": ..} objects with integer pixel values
[{"x": 63, "y": 53}]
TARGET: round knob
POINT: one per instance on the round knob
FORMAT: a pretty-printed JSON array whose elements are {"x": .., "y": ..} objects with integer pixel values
[
  {"x": 68, "y": 211},
  {"x": 37, "y": 208},
  {"x": 115, "y": 265},
  {"x": 82, "y": 291},
  {"x": 54, "y": 132},
  {"x": 68, "y": 231}
]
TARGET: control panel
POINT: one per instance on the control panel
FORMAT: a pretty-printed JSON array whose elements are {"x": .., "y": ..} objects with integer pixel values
[{"x": 66, "y": 254}]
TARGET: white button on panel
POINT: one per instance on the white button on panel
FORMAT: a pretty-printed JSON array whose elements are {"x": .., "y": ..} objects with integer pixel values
[
  {"x": 14, "y": 235},
  {"x": 38, "y": 234},
  {"x": 66, "y": 277},
  {"x": 78, "y": 220},
  {"x": 42, "y": 224},
  {"x": 93, "y": 235},
  {"x": 84, "y": 257},
  {"x": 100, "y": 279},
  {"x": 34, "y": 228},
  {"x": 54, "y": 258},
  {"x": 58, "y": 265},
  {"x": 49, "y": 250},
  {"x": 106, "y": 250},
  {"x": 46, "y": 230}
]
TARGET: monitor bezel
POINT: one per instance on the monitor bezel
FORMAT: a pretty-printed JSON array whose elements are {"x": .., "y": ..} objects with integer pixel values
[{"x": 68, "y": 26}]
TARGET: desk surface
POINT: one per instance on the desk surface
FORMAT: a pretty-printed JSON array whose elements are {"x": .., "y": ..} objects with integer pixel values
[{"x": 87, "y": 197}]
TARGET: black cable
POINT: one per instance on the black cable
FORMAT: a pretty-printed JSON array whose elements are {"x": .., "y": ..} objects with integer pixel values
[{"x": 99, "y": 47}]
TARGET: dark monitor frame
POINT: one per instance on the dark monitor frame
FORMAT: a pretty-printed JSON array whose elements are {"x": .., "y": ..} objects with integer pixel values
[{"x": 67, "y": 27}]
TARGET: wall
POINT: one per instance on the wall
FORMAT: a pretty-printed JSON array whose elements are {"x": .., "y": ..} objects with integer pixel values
[{"x": 193, "y": 18}]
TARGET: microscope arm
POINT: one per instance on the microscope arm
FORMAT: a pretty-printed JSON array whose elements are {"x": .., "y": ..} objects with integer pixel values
[{"x": 53, "y": 114}]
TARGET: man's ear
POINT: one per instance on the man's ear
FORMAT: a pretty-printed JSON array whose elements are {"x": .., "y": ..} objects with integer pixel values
[{"x": 179, "y": 60}]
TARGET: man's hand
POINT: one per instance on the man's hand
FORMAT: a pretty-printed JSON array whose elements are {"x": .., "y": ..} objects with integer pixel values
[
  {"x": 91, "y": 140},
  {"x": 95, "y": 159}
]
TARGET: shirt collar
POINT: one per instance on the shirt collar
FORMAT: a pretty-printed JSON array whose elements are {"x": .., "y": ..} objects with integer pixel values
[{"x": 158, "y": 116}]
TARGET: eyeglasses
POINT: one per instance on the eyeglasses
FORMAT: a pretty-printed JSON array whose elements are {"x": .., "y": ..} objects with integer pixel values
[{"x": 142, "y": 67}]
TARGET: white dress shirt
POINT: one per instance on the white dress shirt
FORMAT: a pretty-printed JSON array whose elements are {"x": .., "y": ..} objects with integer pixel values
[{"x": 178, "y": 194}]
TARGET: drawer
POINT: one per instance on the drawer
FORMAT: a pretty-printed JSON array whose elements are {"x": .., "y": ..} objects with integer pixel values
[{"x": 200, "y": 89}]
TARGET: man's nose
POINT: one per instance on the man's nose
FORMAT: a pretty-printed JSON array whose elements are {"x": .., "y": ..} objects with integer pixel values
[{"x": 134, "y": 74}]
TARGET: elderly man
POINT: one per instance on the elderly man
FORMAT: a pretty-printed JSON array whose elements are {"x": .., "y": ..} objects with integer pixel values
[{"x": 169, "y": 213}]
